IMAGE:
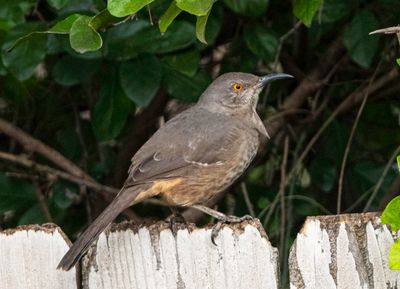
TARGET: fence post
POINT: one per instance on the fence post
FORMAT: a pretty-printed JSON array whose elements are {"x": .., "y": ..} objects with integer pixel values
[
  {"x": 29, "y": 256},
  {"x": 151, "y": 257},
  {"x": 342, "y": 251}
]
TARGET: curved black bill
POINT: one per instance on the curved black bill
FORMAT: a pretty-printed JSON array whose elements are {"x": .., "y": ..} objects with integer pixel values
[{"x": 263, "y": 80}]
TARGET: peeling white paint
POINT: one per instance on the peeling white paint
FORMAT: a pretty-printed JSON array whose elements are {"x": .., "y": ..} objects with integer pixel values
[
  {"x": 355, "y": 237},
  {"x": 29, "y": 257},
  {"x": 243, "y": 259}
]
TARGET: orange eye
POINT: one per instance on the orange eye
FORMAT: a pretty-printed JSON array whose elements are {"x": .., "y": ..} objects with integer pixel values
[{"x": 237, "y": 87}]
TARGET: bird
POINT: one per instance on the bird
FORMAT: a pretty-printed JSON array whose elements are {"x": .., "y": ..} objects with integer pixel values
[{"x": 194, "y": 157}]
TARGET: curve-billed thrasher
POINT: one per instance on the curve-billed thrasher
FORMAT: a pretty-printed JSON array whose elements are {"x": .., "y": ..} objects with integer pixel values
[{"x": 194, "y": 156}]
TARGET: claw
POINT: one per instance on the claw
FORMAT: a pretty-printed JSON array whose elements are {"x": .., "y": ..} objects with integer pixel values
[
  {"x": 215, "y": 230},
  {"x": 228, "y": 219},
  {"x": 173, "y": 221}
]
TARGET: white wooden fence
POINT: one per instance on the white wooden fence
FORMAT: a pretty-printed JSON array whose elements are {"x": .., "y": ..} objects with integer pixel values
[{"x": 343, "y": 251}]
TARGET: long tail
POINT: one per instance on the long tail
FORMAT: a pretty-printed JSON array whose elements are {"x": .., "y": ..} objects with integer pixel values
[{"x": 122, "y": 201}]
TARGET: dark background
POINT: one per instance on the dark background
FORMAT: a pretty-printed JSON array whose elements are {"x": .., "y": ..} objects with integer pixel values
[{"x": 97, "y": 108}]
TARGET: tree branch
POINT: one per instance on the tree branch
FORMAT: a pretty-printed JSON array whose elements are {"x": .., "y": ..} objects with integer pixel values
[
  {"x": 315, "y": 80},
  {"x": 52, "y": 173},
  {"x": 347, "y": 149},
  {"x": 32, "y": 144}
]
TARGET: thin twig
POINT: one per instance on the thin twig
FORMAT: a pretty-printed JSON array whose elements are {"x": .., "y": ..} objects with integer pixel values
[
  {"x": 302, "y": 198},
  {"x": 82, "y": 188},
  {"x": 382, "y": 178},
  {"x": 392, "y": 192},
  {"x": 285, "y": 113},
  {"x": 311, "y": 201},
  {"x": 282, "y": 39},
  {"x": 312, "y": 82},
  {"x": 43, "y": 204},
  {"x": 21, "y": 176},
  {"x": 358, "y": 201},
  {"x": 282, "y": 191},
  {"x": 249, "y": 205},
  {"x": 150, "y": 16},
  {"x": 271, "y": 210},
  {"x": 51, "y": 173},
  {"x": 32, "y": 144},
  {"x": 349, "y": 141},
  {"x": 344, "y": 105}
]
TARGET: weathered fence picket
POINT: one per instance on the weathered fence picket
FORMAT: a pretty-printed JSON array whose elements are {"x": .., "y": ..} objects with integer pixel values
[
  {"x": 29, "y": 256},
  {"x": 344, "y": 251},
  {"x": 151, "y": 257}
]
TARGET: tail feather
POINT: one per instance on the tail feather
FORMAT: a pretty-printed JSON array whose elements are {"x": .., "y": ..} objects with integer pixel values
[{"x": 121, "y": 202}]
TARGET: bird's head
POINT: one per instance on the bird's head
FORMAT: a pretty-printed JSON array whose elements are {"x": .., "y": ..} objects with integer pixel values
[{"x": 236, "y": 90}]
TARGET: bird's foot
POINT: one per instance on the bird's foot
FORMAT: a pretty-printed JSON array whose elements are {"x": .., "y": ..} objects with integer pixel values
[
  {"x": 226, "y": 219},
  {"x": 222, "y": 219},
  {"x": 175, "y": 220}
]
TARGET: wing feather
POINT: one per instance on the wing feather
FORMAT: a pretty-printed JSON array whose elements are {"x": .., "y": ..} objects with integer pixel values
[{"x": 195, "y": 137}]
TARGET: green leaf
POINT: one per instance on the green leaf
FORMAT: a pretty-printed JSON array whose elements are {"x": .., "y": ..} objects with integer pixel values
[
  {"x": 70, "y": 70},
  {"x": 68, "y": 143},
  {"x": 111, "y": 110},
  {"x": 334, "y": 10},
  {"x": 64, "y": 193},
  {"x": 398, "y": 61},
  {"x": 391, "y": 214},
  {"x": 334, "y": 142},
  {"x": 121, "y": 8},
  {"x": 141, "y": 78},
  {"x": 83, "y": 37},
  {"x": 394, "y": 256},
  {"x": 251, "y": 8},
  {"x": 195, "y": 7},
  {"x": 186, "y": 62},
  {"x": 172, "y": 12},
  {"x": 103, "y": 19},
  {"x": 305, "y": 178},
  {"x": 186, "y": 88},
  {"x": 58, "y": 4},
  {"x": 323, "y": 173},
  {"x": 261, "y": 42},
  {"x": 128, "y": 40},
  {"x": 64, "y": 26},
  {"x": 364, "y": 175},
  {"x": 13, "y": 13},
  {"x": 22, "y": 60},
  {"x": 15, "y": 194},
  {"x": 398, "y": 162},
  {"x": 213, "y": 24},
  {"x": 119, "y": 44},
  {"x": 362, "y": 47},
  {"x": 149, "y": 40},
  {"x": 34, "y": 215},
  {"x": 305, "y": 10},
  {"x": 263, "y": 202},
  {"x": 201, "y": 24}
]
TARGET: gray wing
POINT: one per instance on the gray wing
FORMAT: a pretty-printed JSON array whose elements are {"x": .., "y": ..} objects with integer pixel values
[{"x": 195, "y": 137}]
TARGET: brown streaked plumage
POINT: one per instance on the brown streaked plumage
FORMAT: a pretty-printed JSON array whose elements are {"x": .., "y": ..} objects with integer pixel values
[{"x": 194, "y": 156}]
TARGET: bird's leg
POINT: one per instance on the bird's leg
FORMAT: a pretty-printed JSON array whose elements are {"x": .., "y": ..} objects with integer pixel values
[
  {"x": 174, "y": 219},
  {"x": 222, "y": 219}
]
